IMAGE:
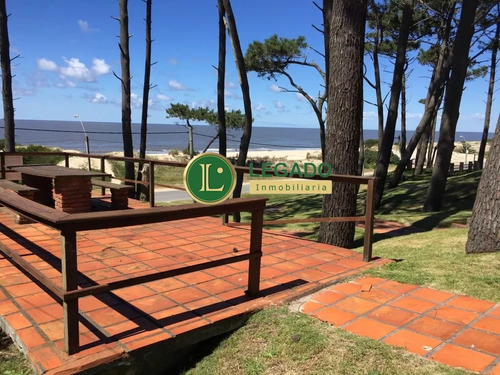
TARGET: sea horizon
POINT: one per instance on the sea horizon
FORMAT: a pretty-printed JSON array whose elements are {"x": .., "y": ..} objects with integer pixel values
[{"x": 106, "y": 137}]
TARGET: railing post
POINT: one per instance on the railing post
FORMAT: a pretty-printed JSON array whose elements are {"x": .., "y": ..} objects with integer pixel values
[
  {"x": 66, "y": 160},
  {"x": 103, "y": 170},
  {"x": 70, "y": 282},
  {"x": 369, "y": 216},
  {"x": 151, "y": 183},
  {"x": 2, "y": 165},
  {"x": 255, "y": 252}
]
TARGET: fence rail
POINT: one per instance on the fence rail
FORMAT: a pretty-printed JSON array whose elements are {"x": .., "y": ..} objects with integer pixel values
[{"x": 370, "y": 182}]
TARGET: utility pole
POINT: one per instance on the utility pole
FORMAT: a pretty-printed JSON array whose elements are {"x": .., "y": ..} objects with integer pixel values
[{"x": 86, "y": 140}]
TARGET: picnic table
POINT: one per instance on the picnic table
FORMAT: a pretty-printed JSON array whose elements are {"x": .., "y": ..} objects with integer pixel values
[{"x": 66, "y": 189}]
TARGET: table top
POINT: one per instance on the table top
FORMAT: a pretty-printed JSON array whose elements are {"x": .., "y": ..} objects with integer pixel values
[{"x": 55, "y": 171}]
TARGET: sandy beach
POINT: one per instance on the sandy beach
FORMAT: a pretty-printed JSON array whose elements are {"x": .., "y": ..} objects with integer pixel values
[{"x": 271, "y": 155}]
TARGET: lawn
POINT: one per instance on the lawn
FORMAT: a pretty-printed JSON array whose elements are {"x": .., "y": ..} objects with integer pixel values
[{"x": 277, "y": 341}]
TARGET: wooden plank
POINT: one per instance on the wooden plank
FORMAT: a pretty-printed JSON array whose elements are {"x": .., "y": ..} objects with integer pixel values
[
  {"x": 123, "y": 218},
  {"x": 53, "y": 171},
  {"x": 13, "y": 186},
  {"x": 70, "y": 283},
  {"x": 35, "y": 273},
  {"x": 103, "y": 288},
  {"x": 369, "y": 217},
  {"x": 255, "y": 248},
  {"x": 308, "y": 220},
  {"x": 110, "y": 185}
]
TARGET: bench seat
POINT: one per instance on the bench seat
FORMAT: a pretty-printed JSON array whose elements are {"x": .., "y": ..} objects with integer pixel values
[
  {"x": 23, "y": 191},
  {"x": 119, "y": 193}
]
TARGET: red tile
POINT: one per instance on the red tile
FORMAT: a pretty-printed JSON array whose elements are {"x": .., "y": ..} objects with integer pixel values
[
  {"x": 7, "y": 307},
  {"x": 356, "y": 305},
  {"x": 496, "y": 370},
  {"x": 484, "y": 341},
  {"x": 470, "y": 303},
  {"x": 347, "y": 288},
  {"x": 17, "y": 321},
  {"x": 431, "y": 294},
  {"x": 495, "y": 312},
  {"x": 310, "y": 306},
  {"x": 488, "y": 324},
  {"x": 378, "y": 295},
  {"x": 413, "y": 342},
  {"x": 30, "y": 337},
  {"x": 328, "y": 297},
  {"x": 334, "y": 316},
  {"x": 453, "y": 314},
  {"x": 414, "y": 304},
  {"x": 394, "y": 286},
  {"x": 392, "y": 315},
  {"x": 153, "y": 303},
  {"x": 456, "y": 356},
  {"x": 435, "y": 327},
  {"x": 46, "y": 356},
  {"x": 369, "y": 328},
  {"x": 370, "y": 280}
]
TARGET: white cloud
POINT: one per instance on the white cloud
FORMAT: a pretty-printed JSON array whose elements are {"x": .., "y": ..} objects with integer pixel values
[
  {"x": 230, "y": 85},
  {"x": 44, "y": 64},
  {"x": 75, "y": 69},
  {"x": 260, "y": 107},
  {"x": 274, "y": 87},
  {"x": 135, "y": 101},
  {"x": 99, "y": 66},
  {"x": 173, "y": 61},
  {"x": 279, "y": 105},
  {"x": 163, "y": 97},
  {"x": 99, "y": 98},
  {"x": 300, "y": 97},
  {"x": 174, "y": 85},
  {"x": 84, "y": 27},
  {"x": 230, "y": 94}
]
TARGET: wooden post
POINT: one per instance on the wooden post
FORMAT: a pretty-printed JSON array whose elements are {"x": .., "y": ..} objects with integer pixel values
[
  {"x": 452, "y": 167},
  {"x": 70, "y": 283},
  {"x": 103, "y": 170},
  {"x": 151, "y": 183},
  {"x": 2, "y": 165},
  {"x": 66, "y": 160},
  {"x": 470, "y": 167},
  {"x": 256, "y": 251},
  {"x": 369, "y": 217},
  {"x": 461, "y": 166}
]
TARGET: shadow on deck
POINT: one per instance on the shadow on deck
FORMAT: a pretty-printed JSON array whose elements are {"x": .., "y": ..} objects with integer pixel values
[{"x": 140, "y": 327}]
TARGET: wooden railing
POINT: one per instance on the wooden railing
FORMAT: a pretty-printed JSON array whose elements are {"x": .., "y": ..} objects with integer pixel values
[
  {"x": 370, "y": 182},
  {"x": 69, "y": 224}
]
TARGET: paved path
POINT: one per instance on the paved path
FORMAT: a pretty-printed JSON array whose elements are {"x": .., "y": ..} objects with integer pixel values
[{"x": 456, "y": 330}]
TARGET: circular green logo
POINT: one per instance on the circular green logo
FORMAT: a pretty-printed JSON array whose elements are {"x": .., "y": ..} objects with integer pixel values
[{"x": 209, "y": 178}]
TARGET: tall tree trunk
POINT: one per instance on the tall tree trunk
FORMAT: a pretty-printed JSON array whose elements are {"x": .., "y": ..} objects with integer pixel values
[
  {"x": 489, "y": 99},
  {"x": 221, "y": 76},
  {"x": 402, "y": 138},
  {"x": 8, "y": 104},
  {"x": 422, "y": 152},
  {"x": 361, "y": 158},
  {"x": 145, "y": 96},
  {"x": 485, "y": 221},
  {"x": 384, "y": 154},
  {"x": 190, "y": 139},
  {"x": 432, "y": 135},
  {"x": 344, "y": 113},
  {"x": 435, "y": 91},
  {"x": 453, "y": 97},
  {"x": 245, "y": 91},
  {"x": 128, "y": 148}
]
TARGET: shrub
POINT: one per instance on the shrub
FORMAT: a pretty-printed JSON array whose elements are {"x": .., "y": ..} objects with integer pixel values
[
  {"x": 371, "y": 158},
  {"x": 40, "y": 159},
  {"x": 369, "y": 143}
]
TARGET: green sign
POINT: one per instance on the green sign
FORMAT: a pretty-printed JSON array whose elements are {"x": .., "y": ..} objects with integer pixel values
[{"x": 209, "y": 178}]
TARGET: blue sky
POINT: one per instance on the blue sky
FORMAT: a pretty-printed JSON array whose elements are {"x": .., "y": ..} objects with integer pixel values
[{"x": 68, "y": 51}]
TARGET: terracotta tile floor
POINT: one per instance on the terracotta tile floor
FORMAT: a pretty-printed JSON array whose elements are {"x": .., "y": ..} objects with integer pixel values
[
  {"x": 114, "y": 324},
  {"x": 455, "y": 330}
]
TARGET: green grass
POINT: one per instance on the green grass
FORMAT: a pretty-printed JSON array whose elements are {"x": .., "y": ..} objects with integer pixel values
[
  {"x": 12, "y": 361},
  {"x": 437, "y": 259},
  {"x": 277, "y": 341}
]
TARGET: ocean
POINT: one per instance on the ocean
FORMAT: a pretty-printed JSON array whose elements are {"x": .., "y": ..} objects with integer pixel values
[{"x": 106, "y": 136}]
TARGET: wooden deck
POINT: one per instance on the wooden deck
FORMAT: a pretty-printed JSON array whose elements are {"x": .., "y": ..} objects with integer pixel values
[{"x": 120, "y": 328}]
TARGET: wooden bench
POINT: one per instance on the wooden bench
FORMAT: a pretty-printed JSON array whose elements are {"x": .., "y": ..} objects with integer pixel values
[
  {"x": 119, "y": 193},
  {"x": 23, "y": 191}
]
